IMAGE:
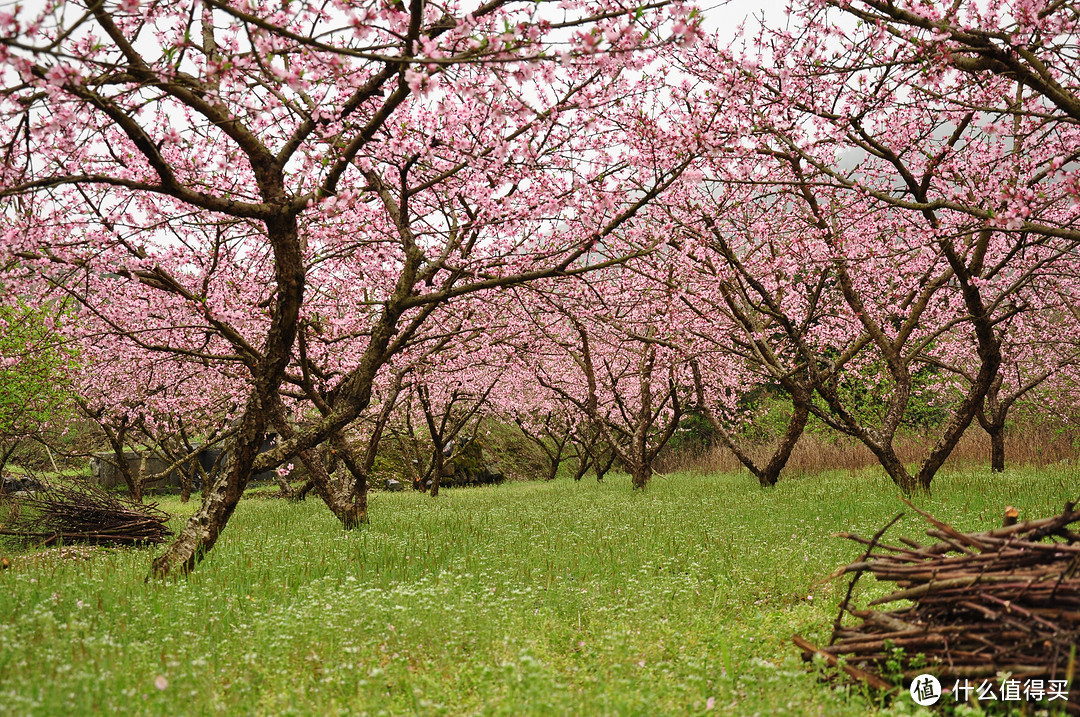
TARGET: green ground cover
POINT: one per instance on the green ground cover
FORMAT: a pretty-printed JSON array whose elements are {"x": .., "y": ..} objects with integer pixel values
[{"x": 539, "y": 598}]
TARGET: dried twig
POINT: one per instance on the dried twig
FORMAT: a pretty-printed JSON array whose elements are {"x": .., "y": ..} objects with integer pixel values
[
  {"x": 1000, "y": 601},
  {"x": 82, "y": 512}
]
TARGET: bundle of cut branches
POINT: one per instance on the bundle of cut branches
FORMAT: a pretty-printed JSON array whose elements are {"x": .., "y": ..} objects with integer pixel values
[
  {"x": 988, "y": 606},
  {"x": 81, "y": 512}
]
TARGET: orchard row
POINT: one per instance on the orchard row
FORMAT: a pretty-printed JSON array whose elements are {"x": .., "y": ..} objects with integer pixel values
[{"x": 334, "y": 221}]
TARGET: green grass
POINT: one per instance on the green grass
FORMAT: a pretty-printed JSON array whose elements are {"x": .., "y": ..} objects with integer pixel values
[
  {"x": 532, "y": 598},
  {"x": 13, "y": 469}
]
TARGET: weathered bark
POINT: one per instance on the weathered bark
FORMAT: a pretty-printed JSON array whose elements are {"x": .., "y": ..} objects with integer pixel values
[
  {"x": 357, "y": 515},
  {"x": 356, "y": 487},
  {"x": 991, "y": 417},
  {"x": 340, "y": 503},
  {"x": 340, "y": 496},
  {"x": 299, "y": 495},
  {"x": 345, "y": 496},
  {"x": 185, "y": 486},
  {"x": 997, "y": 451},
  {"x": 283, "y": 485},
  {"x": 896, "y": 470},
  {"x": 771, "y": 473},
  {"x": 203, "y": 529},
  {"x": 640, "y": 474}
]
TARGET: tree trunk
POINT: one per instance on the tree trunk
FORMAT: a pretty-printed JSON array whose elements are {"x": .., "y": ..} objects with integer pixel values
[
  {"x": 185, "y": 485},
  {"x": 640, "y": 475},
  {"x": 132, "y": 480},
  {"x": 770, "y": 474},
  {"x": 895, "y": 468},
  {"x": 324, "y": 486},
  {"x": 347, "y": 502},
  {"x": 303, "y": 492},
  {"x": 640, "y": 472},
  {"x": 989, "y": 349},
  {"x": 356, "y": 515},
  {"x": 5, "y": 456},
  {"x": 439, "y": 437},
  {"x": 283, "y": 485},
  {"x": 343, "y": 500},
  {"x": 997, "y": 448},
  {"x": 964, "y": 413},
  {"x": 585, "y": 445},
  {"x": 219, "y": 500},
  {"x": 116, "y": 442},
  {"x": 602, "y": 464},
  {"x": 140, "y": 480},
  {"x": 437, "y": 469},
  {"x": 991, "y": 416}
]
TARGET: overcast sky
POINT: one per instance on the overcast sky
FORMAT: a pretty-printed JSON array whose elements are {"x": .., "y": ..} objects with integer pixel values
[{"x": 725, "y": 17}]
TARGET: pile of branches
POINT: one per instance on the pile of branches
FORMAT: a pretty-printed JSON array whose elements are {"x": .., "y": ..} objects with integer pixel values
[
  {"x": 79, "y": 512},
  {"x": 1001, "y": 601}
]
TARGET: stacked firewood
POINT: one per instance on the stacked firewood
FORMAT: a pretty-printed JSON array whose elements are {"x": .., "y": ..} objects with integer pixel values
[
  {"x": 976, "y": 607},
  {"x": 81, "y": 512}
]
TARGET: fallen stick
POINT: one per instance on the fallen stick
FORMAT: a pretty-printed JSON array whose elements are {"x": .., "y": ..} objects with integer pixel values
[
  {"x": 81, "y": 536},
  {"x": 870, "y": 679}
]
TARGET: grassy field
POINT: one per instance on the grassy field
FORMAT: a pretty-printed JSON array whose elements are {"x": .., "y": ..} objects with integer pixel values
[{"x": 531, "y": 598}]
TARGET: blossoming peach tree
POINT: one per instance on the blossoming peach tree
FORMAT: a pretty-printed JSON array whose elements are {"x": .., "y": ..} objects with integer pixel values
[{"x": 212, "y": 179}]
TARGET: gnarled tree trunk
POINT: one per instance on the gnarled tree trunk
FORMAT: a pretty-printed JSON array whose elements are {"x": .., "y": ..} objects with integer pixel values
[
  {"x": 768, "y": 474},
  {"x": 205, "y": 526},
  {"x": 219, "y": 501}
]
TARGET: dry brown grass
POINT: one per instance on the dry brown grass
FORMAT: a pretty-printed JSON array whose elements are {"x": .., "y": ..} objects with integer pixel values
[{"x": 1031, "y": 445}]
